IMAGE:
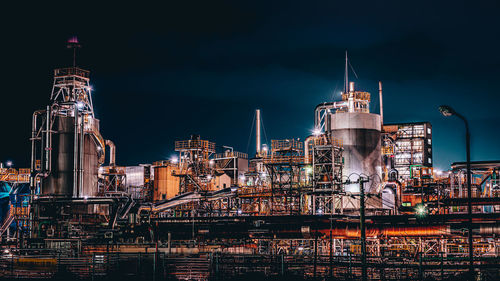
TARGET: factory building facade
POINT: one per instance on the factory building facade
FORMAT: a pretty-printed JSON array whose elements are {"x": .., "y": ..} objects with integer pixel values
[{"x": 407, "y": 145}]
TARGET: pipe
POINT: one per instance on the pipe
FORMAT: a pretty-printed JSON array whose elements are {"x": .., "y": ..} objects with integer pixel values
[
  {"x": 75, "y": 154},
  {"x": 350, "y": 100},
  {"x": 306, "y": 149},
  {"x": 34, "y": 131},
  {"x": 81, "y": 154},
  {"x": 490, "y": 229},
  {"x": 257, "y": 132},
  {"x": 48, "y": 146},
  {"x": 381, "y": 105},
  {"x": 33, "y": 146},
  {"x": 112, "y": 152},
  {"x": 326, "y": 106}
]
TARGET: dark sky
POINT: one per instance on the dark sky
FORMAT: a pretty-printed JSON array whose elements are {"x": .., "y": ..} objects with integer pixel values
[{"x": 163, "y": 72}]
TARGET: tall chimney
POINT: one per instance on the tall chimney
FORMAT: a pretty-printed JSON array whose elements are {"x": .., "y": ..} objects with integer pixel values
[
  {"x": 381, "y": 105},
  {"x": 257, "y": 132}
]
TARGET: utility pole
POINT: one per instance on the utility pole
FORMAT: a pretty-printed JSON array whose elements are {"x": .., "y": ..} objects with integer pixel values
[
  {"x": 469, "y": 195},
  {"x": 362, "y": 226},
  {"x": 315, "y": 254},
  {"x": 331, "y": 246}
]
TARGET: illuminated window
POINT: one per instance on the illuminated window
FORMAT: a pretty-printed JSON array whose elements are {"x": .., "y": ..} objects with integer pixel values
[
  {"x": 429, "y": 131},
  {"x": 429, "y": 160}
]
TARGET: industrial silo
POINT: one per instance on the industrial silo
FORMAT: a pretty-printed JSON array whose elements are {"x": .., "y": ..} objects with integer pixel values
[
  {"x": 60, "y": 180},
  {"x": 360, "y": 135},
  {"x": 351, "y": 121},
  {"x": 71, "y": 147}
]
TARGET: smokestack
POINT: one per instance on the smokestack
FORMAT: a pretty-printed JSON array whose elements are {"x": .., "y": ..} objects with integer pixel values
[
  {"x": 351, "y": 86},
  {"x": 381, "y": 105},
  {"x": 257, "y": 132}
]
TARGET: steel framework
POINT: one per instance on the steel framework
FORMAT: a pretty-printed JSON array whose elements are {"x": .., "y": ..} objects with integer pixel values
[
  {"x": 327, "y": 189},
  {"x": 285, "y": 167},
  {"x": 197, "y": 171}
]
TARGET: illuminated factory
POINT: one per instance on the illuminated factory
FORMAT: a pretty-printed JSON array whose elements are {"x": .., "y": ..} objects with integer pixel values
[{"x": 355, "y": 188}]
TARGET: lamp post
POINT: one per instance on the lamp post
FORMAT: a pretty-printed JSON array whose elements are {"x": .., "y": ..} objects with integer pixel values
[{"x": 448, "y": 111}]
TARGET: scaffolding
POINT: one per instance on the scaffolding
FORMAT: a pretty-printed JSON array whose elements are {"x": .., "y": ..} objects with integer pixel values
[
  {"x": 15, "y": 175},
  {"x": 326, "y": 172},
  {"x": 113, "y": 181},
  {"x": 196, "y": 169},
  {"x": 285, "y": 167},
  {"x": 232, "y": 163}
]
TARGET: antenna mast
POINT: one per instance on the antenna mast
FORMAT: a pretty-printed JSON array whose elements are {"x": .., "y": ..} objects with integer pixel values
[
  {"x": 73, "y": 44},
  {"x": 346, "y": 74}
]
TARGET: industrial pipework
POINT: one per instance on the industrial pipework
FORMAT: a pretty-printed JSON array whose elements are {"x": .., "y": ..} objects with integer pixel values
[{"x": 112, "y": 152}]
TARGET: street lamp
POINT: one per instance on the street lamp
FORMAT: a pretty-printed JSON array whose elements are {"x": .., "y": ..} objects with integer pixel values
[{"x": 448, "y": 111}]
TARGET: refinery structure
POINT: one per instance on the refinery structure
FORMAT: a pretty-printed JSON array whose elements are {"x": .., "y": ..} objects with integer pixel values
[{"x": 357, "y": 199}]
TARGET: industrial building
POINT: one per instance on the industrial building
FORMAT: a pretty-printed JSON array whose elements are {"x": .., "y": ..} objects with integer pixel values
[
  {"x": 407, "y": 145},
  {"x": 357, "y": 197}
]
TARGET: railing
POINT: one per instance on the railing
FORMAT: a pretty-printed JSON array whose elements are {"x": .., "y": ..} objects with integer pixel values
[
  {"x": 11, "y": 174},
  {"x": 111, "y": 266},
  {"x": 72, "y": 71},
  {"x": 231, "y": 154},
  {"x": 224, "y": 266},
  {"x": 163, "y": 163},
  {"x": 286, "y": 144},
  {"x": 284, "y": 160},
  {"x": 365, "y": 96},
  {"x": 113, "y": 170},
  {"x": 323, "y": 140},
  {"x": 195, "y": 145}
]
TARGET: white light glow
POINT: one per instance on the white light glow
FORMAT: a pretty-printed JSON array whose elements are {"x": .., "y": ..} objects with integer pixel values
[
  {"x": 316, "y": 132},
  {"x": 421, "y": 210},
  {"x": 174, "y": 160},
  {"x": 80, "y": 105},
  {"x": 309, "y": 170}
]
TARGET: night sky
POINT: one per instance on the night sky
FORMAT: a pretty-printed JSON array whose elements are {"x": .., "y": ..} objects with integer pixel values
[{"x": 163, "y": 72}]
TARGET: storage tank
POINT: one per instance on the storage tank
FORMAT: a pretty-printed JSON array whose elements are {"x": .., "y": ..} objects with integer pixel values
[
  {"x": 350, "y": 120},
  {"x": 90, "y": 167},
  {"x": 166, "y": 185},
  {"x": 60, "y": 179},
  {"x": 56, "y": 140},
  {"x": 361, "y": 139}
]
